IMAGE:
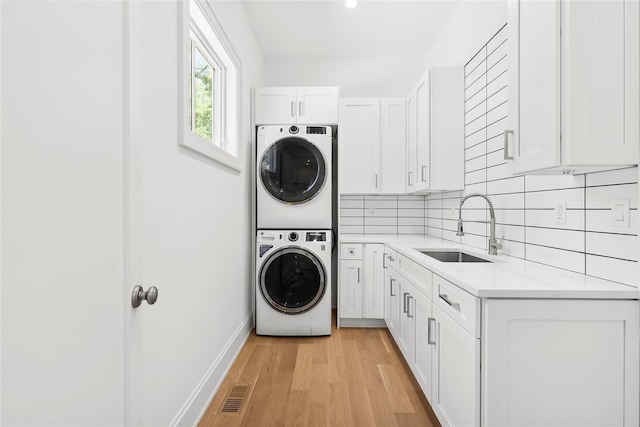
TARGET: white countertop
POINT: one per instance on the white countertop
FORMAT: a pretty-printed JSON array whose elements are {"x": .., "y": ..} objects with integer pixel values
[{"x": 504, "y": 277}]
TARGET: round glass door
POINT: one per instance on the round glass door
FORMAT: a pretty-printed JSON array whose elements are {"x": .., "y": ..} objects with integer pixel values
[
  {"x": 292, "y": 170},
  {"x": 292, "y": 280}
]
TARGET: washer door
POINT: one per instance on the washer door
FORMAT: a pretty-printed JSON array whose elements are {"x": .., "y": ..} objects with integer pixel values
[
  {"x": 293, "y": 170},
  {"x": 292, "y": 280}
]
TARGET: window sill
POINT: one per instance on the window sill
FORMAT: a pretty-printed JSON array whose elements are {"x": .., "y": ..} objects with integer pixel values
[{"x": 208, "y": 149}]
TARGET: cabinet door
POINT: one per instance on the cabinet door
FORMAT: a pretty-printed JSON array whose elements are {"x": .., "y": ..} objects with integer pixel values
[
  {"x": 425, "y": 343},
  {"x": 407, "y": 321},
  {"x": 593, "y": 81},
  {"x": 391, "y": 305},
  {"x": 561, "y": 362},
  {"x": 359, "y": 146},
  {"x": 351, "y": 276},
  {"x": 422, "y": 134},
  {"x": 456, "y": 374},
  {"x": 447, "y": 128},
  {"x": 317, "y": 105},
  {"x": 412, "y": 148},
  {"x": 534, "y": 85},
  {"x": 373, "y": 282},
  {"x": 393, "y": 145},
  {"x": 275, "y": 105}
]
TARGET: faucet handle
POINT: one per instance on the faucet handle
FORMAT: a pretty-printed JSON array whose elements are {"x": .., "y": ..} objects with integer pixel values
[{"x": 499, "y": 244}]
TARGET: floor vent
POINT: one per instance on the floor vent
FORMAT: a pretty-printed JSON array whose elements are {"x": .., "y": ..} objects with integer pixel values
[{"x": 235, "y": 400}]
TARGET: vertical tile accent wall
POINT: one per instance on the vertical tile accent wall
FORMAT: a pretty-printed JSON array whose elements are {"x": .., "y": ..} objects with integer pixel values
[{"x": 587, "y": 243}]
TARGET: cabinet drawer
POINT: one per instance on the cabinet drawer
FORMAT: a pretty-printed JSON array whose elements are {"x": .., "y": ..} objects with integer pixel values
[
  {"x": 391, "y": 258},
  {"x": 351, "y": 251},
  {"x": 460, "y": 305},
  {"x": 417, "y": 275}
]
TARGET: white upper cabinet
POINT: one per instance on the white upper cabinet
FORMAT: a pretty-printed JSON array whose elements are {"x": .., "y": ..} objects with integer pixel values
[
  {"x": 290, "y": 105},
  {"x": 371, "y": 143},
  {"x": 393, "y": 139},
  {"x": 447, "y": 129},
  {"x": 574, "y": 96},
  {"x": 359, "y": 146},
  {"x": 418, "y": 130}
]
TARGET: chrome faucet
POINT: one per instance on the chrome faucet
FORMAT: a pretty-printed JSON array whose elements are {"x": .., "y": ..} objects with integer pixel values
[{"x": 494, "y": 245}]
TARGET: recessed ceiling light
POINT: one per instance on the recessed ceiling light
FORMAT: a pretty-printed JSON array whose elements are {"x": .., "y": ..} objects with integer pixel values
[{"x": 351, "y": 3}]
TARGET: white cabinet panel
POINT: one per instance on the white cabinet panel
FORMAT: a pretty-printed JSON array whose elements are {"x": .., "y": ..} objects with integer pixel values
[
  {"x": 424, "y": 342},
  {"x": 412, "y": 147},
  {"x": 407, "y": 320},
  {"x": 351, "y": 276},
  {"x": 359, "y": 146},
  {"x": 393, "y": 140},
  {"x": 456, "y": 374},
  {"x": 392, "y": 303},
  {"x": 317, "y": 105},
  {"x": 561, "y": 362},
  {"x": 373, "y": 282},
  {"x": 275, "y": 105},
  {"x": 422, "y": 154}
]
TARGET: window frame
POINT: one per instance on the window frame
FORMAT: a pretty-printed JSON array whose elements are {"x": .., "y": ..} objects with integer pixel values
[{"x": 227, "y": 107}]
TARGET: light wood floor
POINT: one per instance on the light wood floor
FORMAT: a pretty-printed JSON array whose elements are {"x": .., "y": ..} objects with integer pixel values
[{"x": 355, "y": 377}]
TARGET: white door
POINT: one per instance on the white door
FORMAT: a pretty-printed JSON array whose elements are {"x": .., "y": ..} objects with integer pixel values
[
  {"x": 425, "y": 342},
  {"x": 422, "y": 134},
  {"x": 275, "y": 105},
  {"x": 317, "y": 105},
  {"x": 373, "y": 281},
  {"x": 393, "y": 145},
  {"x": 351, "y": 277},
  {"x": 62, "y": 255}
]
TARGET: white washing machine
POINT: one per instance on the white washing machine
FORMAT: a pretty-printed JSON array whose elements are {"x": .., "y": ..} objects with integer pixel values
[
  {"x": 293, "y": 282},
  {"x": 293, "y": 177}
]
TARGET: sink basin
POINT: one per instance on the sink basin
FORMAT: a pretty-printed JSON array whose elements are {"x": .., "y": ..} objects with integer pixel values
[{"x": 453, "y": 256}]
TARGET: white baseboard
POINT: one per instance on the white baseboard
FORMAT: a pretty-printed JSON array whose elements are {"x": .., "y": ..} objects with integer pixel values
[
  {"x": 362, "y": 323},
  {"x": 199, "y": 401}
]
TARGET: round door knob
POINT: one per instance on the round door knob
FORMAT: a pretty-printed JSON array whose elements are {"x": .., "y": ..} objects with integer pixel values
[{"x": 138, "y": 295}]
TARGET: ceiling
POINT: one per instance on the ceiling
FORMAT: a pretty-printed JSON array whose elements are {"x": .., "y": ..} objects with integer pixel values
[{"x": 306, "y": 29}]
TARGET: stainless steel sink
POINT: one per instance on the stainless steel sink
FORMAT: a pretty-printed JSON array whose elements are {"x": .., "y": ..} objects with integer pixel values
[{"x": 453, "y": 256}]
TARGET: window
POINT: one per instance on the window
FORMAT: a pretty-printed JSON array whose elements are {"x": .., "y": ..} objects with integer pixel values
[{"x": 210, "y": 86}]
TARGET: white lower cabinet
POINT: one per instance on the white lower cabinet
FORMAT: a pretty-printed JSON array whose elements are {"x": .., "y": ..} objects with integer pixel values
[
  {"x": 407, "y": 320},
  {"x": 425, "y": 342},
  {"x": 361, "y": 281},
  {"x": 561, "y": 362},
  {"x": 456, "y": 373},
  {"x": 392, "y": 302}
]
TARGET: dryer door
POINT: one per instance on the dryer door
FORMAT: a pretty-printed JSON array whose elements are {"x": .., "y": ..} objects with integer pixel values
[
  {"x": 292, "y": 280},
  {"x": 293, "y": 170}
]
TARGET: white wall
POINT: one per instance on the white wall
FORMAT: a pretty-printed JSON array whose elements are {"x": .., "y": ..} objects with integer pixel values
[
  {"x": 357, "y": 77},
  {"x": 65, "y": 104}
]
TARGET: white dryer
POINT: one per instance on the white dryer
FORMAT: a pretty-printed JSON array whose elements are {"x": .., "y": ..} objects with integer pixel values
[
  {"x": 293, "y": 177},
  {"x": 293, "y": 282}
]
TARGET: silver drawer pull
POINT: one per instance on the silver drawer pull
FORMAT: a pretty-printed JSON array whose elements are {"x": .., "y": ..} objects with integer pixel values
[
  {"x": 391, "y": 282},
  {"x": 409, "y": 306},
  {"x": 446, "y": 299},
  {"x": 506, "y": 145},
  {"x": 430, "y": 339},
  {"x": 404, "y": 307}
]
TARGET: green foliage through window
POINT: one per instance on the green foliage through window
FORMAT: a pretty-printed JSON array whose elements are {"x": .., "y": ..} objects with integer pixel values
[{"x": 202, "y": 93}]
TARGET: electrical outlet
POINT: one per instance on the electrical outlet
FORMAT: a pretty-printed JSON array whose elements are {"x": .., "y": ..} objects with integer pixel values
[{"x": 560, "y": 212}]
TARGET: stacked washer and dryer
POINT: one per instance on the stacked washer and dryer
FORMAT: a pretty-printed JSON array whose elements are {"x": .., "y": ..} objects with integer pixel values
[{"x": 294, "y": 239}]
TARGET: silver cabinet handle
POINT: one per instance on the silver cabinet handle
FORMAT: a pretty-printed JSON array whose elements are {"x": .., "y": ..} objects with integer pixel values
[
  {"x": 391, "y": 282},
  {"x": 409, "y": 306},
  {"x": 430, "y": 339},
  {"x": 376, "y": 175},
  {"x": 358, "y": 274},
  {"x": 300, "y": 108},
  {"x": 506, "y": 145},
  {"x": 293, "y": 109},
  {"x": 410, "y": 180},
  {"x": 404, "y": 307},
  {"x": 424, "y": 174},
  {"x": 446, "y": 299},
  {"x": 384, "y": 260},
  {"x": 138, "y": 295}
]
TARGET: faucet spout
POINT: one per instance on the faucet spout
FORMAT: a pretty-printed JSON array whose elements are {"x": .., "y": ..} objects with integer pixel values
[{"x": 494, "y": 245}]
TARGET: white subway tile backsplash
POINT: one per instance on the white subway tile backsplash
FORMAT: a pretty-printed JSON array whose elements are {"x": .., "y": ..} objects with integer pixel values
[
  {"x": 496, "y": 113},
  {"x": 476, "y": 164},
  {"x": 476, "y": 62},
  {"x": 496, "y": 158},
  {"x": 352, "y": 212},
  {"x": 434, "y": 232},
  {"x": 603, "y": 197},
  {"x": 352, "y": 203},
  {"x": 496, "y": 128},
  {"x": 498, "y": 172},
  {"x": 381, "y": 221},
  {"x": 618, "y": 176},
  {"x": 507, "y": 185},
  {"x": 613, "y": 269},
  {"x": 351, "y": 220},
  {"x": 498, "y": 97},
  {"x": 556, "y": 238},
  {"x": 546, "y": 218},
  {"x": 497, "y": 53},
  {"x": 380, "y": 229},
  {"x": 621, "y": 246},
  {"x": 475, "y": 177},
  {"x": 352, "y": 229},
  {"x": 552, "y": 182},
  {"x": 411, "y": 213},
  {"x": 411, "y": 229},
  {"x": 547, "y": 199},
  {"x": 476, "y": 112},
  {"x": 498, "y": 38},
  {"x": 574, "y": 261},
  {"x": 602, "y": 221},
  {"x": 514, "y": 249},
  {"x": 475, "y": 151},
  {"x": 380, "y": 204},
  {"x": 411, "y": 221},
  {"x": 510, "y": 216}
]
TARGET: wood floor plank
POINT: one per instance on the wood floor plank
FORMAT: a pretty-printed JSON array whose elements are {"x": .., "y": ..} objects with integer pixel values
[{"x": 355, "y": 377}]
